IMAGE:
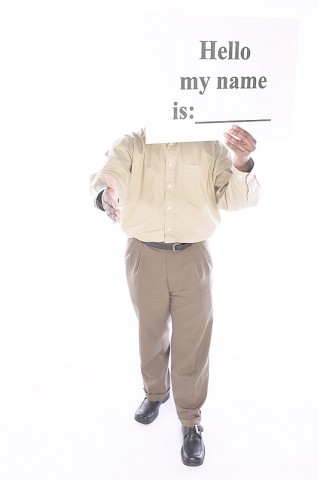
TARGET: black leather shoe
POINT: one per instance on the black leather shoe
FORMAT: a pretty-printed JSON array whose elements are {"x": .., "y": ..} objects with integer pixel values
[
  {"x": 148, "y": 411},
  {"x": 193, "y": 449}
]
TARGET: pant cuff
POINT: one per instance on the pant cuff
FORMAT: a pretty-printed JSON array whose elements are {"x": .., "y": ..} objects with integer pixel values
[
  {"x": 156, "y": 397},
  {"x": 190, "y": 423}
]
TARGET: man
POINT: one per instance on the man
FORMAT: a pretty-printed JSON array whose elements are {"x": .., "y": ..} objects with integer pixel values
[{"x": 170, "y": 196}]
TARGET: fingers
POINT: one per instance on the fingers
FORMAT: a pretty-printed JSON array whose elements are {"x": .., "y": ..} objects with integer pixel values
[
  {"x": 242, "y": 135},
  {"x": 114, "y": 216},
  {"x": 113, "y": 213},
  {"x": 109, "y": 197},
  {"x": 239, "y": 140}
]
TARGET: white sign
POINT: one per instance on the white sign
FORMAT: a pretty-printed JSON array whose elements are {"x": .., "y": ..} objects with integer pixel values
[{"x": 202, "y": 74}]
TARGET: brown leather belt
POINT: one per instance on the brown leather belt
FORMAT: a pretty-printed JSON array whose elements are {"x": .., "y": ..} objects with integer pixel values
[{"x": 168, "y": 246}]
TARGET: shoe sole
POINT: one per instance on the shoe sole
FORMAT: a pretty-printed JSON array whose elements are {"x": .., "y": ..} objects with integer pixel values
[
  {"x": 192, "y": 463},
  {"x": 146, "y": 421}
]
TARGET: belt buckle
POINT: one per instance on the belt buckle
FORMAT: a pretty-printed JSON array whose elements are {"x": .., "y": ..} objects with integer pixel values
[{"x": 174, "y": 245}]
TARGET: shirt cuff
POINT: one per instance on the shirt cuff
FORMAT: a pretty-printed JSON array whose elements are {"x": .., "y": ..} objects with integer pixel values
[
  {"x": 245, "y": 177},
  {"x": 97, "y": 197}
]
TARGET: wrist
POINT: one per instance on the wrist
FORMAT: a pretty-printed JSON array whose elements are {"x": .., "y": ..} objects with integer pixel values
[{"x": 245, "y": 166}]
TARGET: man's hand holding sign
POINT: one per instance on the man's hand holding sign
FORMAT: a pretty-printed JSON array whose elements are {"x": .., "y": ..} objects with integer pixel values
[{"x": 242, "y": 144}]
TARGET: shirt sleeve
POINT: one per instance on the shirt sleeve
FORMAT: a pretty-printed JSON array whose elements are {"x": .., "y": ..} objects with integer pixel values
[
  {"x": 234, "y": 190},
  {"x": 119, "y": 165}
]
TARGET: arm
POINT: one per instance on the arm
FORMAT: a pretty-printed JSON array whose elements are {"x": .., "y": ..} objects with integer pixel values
[{"x": 235, "y": 184}]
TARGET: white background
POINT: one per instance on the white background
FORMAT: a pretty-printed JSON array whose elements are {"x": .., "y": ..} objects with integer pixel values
[{"x": 70, "y": 380}]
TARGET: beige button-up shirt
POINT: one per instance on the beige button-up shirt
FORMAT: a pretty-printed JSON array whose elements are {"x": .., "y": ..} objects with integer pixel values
[{"x": 173, "y": 192}]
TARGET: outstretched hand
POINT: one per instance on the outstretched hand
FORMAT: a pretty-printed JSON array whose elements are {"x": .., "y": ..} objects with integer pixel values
[
  {"x": 242, "y": 144},
  {"x": 110, "y": 200}
]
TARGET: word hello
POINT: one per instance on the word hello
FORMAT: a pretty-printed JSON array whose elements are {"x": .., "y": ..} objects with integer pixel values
[{"x": 209, "y": 51}]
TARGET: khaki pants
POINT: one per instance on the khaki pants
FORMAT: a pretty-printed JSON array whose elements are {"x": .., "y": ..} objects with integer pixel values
[{"x": 168, "y": 285}]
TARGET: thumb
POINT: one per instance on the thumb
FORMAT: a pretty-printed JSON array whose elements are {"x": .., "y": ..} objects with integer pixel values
[{"x": 111, "y": 182}]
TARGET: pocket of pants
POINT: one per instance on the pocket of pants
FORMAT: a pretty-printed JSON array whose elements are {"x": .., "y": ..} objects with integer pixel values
[
  {"x": 205, "y": 251},
  {"x": 131, "y": 243},
  {"x": 132, "y": 256},
  {"x": 202, "y": 262}
]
